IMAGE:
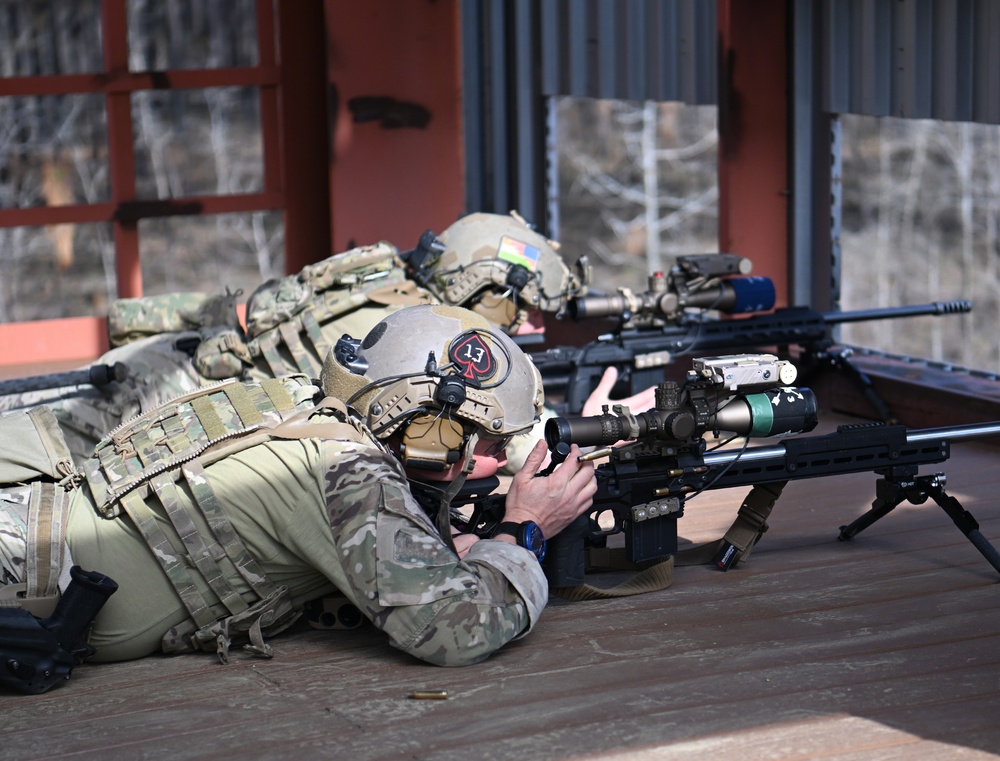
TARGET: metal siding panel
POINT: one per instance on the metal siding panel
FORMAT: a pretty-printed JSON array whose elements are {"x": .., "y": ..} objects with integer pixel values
[
  {"x": 527, "y": 114},
  {"x": 881, "y": 63},
  {"x": 702, "y": 42},
  {"x": 944, "y": 78},
  {"x": 629, "y": 49},
  {"x": 497, "y": 126},
  {"x": 553, "y": 46},
  {"x": 608, "y": 49},
  {"x": 987, "y": 82},
  {"x": 667, "y": 74},
  {"x": 835, "y": 62},
  {"x": 637, "y": 47},
  {"x": 473, "y": 105},
  {"x": 911, "y": 93},
  {"x": 961, "y": 52},
  {"x": 912, "y": 58}
]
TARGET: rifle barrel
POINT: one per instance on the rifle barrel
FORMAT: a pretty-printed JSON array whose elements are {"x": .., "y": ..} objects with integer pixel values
[
  {"x": 953, "y": 434},
  {"x": 95, "y": 375},
  {"x": 916, "y": 310}
]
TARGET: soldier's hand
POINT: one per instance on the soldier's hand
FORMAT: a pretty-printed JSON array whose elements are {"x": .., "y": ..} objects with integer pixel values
[
  {"x": 555, "y": 501},
  {"x": 601, "y": 395}
]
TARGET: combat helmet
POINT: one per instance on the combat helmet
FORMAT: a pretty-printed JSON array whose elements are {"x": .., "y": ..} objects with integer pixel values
[
  {"x": 497, "y": 266},
  {"x": 439, "y": 377}
]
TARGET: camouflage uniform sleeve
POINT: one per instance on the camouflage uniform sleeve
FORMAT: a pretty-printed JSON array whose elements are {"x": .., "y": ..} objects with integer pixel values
[{"x": 395, "y": 567}]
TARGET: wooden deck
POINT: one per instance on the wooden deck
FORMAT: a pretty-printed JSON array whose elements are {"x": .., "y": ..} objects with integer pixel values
[{"x": 884, "y": 647}]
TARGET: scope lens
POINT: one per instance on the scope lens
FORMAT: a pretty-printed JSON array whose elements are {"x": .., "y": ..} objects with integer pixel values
[{"x": 584, "y": 431}]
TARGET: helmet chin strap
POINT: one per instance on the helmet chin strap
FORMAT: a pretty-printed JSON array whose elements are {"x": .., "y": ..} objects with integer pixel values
[{"x": 444, "y": 510}]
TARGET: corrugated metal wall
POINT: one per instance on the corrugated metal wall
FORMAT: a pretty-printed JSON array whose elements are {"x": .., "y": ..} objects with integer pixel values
[
  {"x": 908, "y": 58},
  {"x": 923, "y": 59},
  {"x": 518, "y": 53},
  {"x": 630, "y": 49}
]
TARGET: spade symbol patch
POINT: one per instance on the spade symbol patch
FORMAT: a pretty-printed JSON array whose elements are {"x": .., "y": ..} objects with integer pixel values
[{"x": 474, "y": 357}]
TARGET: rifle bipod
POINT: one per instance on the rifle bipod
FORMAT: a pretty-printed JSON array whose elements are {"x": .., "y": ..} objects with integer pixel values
[{"x": 902, "y": 483}]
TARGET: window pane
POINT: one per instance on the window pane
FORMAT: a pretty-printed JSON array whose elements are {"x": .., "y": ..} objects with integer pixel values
[
  {"x": 198, "y": 142},
  {"x": 191, "y": 34},
  {"x": 55, "y": 37},
  {"x": 921, "y": 223},
  {"x": 53, "y": 151},
  {"x": 626, "y": 168},
  {"x": 56, "y": 271},
  {"x": 239, "y": 251}
]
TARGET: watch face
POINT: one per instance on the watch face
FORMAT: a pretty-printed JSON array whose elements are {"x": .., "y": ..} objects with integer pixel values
[{"x": 534, "y": 539}]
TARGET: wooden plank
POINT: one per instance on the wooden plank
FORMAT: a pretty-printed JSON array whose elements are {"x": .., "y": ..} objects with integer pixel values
[{"x": 884, "y": 647}]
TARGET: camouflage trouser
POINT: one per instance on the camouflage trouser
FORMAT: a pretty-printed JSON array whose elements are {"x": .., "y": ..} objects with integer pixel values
[{"x": 13, "y": 533}]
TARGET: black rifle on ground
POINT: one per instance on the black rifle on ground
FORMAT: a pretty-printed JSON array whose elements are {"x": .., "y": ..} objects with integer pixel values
[
  {"x": 38, "y": 653},
  {"x": 640, "y": 354},
  {"x": 95, "y": 375},
  {"x": 643, "y": 488}
]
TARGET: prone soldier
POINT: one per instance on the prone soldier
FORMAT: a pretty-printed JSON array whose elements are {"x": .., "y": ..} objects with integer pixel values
[
  {"x": 495, "y": 265},
  {"x": 223, "y": 512}
]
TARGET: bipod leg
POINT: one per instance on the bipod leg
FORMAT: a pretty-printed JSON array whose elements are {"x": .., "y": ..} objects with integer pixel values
[
  {"x": 839, "y": 357},
  {"x": 964, "y": 520},
  {"x": 889, "y": 492}
]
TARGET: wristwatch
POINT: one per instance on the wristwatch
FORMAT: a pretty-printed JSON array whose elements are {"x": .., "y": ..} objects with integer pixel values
[{"x": 527, "y": 534}]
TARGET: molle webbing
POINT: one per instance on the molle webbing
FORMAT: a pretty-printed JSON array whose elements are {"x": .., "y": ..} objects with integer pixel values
[
  {"x": 156, "y": 459},
  {"x": 181, "y": 430},
  {"x": 340, "y": 284},
  {"x": 40, "y": 459}
]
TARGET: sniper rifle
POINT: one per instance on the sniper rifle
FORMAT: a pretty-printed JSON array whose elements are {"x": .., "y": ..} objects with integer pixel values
[
  {"x": 645, "y": 484},
  {"x": 640, "y": 354}
]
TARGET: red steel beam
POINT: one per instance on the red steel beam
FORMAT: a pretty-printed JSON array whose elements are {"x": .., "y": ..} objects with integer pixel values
[
  {"x": 129, "y": 82},
  {"x": 304, "y": 133},
  {"x": 121, "y": 147},
  {"x": 753, "y": 135},
  {"x": 269, "y": 123}
]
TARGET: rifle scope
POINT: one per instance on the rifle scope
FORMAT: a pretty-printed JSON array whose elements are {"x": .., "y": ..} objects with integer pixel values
[
  {"x": 738, "y": 295},
  {"x": 774, "y": 412}
]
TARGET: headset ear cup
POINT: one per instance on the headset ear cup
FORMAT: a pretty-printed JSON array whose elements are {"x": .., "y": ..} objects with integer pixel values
[
  {"x": 432, "y": 443},
  {"x": 497, "y": 309}
]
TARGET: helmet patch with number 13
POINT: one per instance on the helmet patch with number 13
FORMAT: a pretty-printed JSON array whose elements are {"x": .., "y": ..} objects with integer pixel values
[{"x": 473, "y": 356}]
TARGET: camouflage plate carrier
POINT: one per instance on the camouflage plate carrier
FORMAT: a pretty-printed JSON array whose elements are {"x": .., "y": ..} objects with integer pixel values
[
  {"x": 293, "y": 322},
  {"x": 147, "y": 459}
]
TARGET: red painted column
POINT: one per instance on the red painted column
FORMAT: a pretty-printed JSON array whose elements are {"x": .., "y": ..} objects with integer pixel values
[
  {"x": 753, "y": 134},
  {"x": 304, "y": 133},
  {"x": 393, "y": 181},
  {"x": 121, "y": 148}
]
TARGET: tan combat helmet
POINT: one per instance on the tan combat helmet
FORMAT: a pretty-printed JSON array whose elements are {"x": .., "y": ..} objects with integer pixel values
[
  {"x": 498, "y": 266},
  {"x": 443, "y": 377}
]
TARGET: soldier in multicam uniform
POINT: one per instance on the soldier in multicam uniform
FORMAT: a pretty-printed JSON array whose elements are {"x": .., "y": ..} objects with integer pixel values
[
  {"x": 223, "y": 512},
  {"x": 496, "y": 265}
]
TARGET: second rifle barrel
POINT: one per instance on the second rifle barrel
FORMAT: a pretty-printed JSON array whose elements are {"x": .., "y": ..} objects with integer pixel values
[{"x": 916, "y": 310}]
